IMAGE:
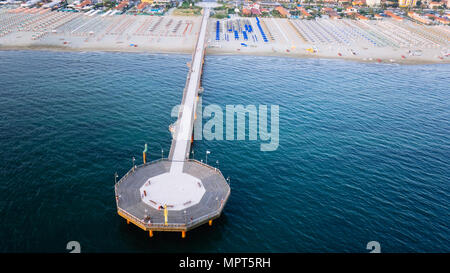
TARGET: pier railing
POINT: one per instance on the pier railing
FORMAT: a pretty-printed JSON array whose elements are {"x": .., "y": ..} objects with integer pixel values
[
  {"x": 148, "y": 225},
  {"x": 178, "y": 226},
  {"x": 134, "y": 168}
]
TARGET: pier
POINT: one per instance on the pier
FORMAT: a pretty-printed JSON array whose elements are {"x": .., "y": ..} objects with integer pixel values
[{"x": 176, "y": 193}]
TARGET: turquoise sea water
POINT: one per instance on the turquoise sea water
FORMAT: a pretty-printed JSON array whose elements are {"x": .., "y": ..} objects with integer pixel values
[{"x": 364, "y": 152}]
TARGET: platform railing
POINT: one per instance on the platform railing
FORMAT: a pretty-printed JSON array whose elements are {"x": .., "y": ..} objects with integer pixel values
[
  {"x": 149, "y": 225},
  {"x": 134, "y": 168},
  {"x": 170, "y": 225}
]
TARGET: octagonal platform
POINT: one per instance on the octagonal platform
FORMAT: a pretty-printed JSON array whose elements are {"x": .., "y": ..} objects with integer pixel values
[{"x": 193, "y": 197}]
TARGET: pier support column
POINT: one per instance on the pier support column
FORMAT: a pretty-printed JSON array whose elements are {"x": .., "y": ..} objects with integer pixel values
[
  {"x": 183, "y": 234},
  {"x": 150, "y": 233},
  {"x": 210, "y": 222}
]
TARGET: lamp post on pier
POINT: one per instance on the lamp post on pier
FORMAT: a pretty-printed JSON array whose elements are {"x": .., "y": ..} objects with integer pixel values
[
  {"x": 207, "y": 153},
  {"x": 162, "y": 151}
]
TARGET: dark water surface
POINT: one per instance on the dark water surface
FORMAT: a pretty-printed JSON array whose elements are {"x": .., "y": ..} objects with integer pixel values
[{"x": 364, "y": 152}]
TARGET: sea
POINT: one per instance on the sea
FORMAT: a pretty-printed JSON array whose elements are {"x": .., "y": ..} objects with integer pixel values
[{"x": 363, "y": 154}]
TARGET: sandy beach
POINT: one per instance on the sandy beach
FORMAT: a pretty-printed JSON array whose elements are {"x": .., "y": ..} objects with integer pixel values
[{"x": 367, "y": 41}]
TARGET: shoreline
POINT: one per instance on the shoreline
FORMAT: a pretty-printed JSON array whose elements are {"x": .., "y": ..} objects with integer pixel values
[
  {"x": 215, "y": 52},
  {"x": 385, "y": 41},
  {"x": 327, "y": 57}
]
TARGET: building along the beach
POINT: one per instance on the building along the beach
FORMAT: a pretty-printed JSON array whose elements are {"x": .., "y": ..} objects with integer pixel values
[
  {"x": 359, "y": 3},
  {"x": 122, "y": 5},
  {"x": 407, "y": 3},
  {"x": 142, "y": 6},
  {"x": 305, "y": 14},
  {"x": 433, "y": 5},
  {"x": 442, "y": 20},
  {"x": 393, "y": 16},
  {"x": 361, "y": 17},
  {"x": 351, "y": 10},
  {"x": 83, "y": 4},
  {"x": 344, "y": 2},
  {"x": 419, "y": 18},
  {"x": 378, "y": 17},
  {"x": 283, "y": 12},
  {"x": 332, "y": 14},
  {"x": 30, "y": 3},
  {"x": 372, "y": 3},
  {"x": 52, "y": 4}
]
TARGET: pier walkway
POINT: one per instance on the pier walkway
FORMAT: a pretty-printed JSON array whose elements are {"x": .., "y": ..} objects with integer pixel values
[
  {"x": 181, "y": 145},
  {"x": 177, "y": 193}
]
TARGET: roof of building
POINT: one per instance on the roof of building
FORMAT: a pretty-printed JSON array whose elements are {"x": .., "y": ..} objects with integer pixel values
[
  {"x": 255, "y": 11},
  {"x": 282, "y": 11}
]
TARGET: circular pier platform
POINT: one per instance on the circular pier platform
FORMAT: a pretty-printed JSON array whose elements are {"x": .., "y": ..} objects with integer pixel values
[{"x": 191, "y": 198}]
